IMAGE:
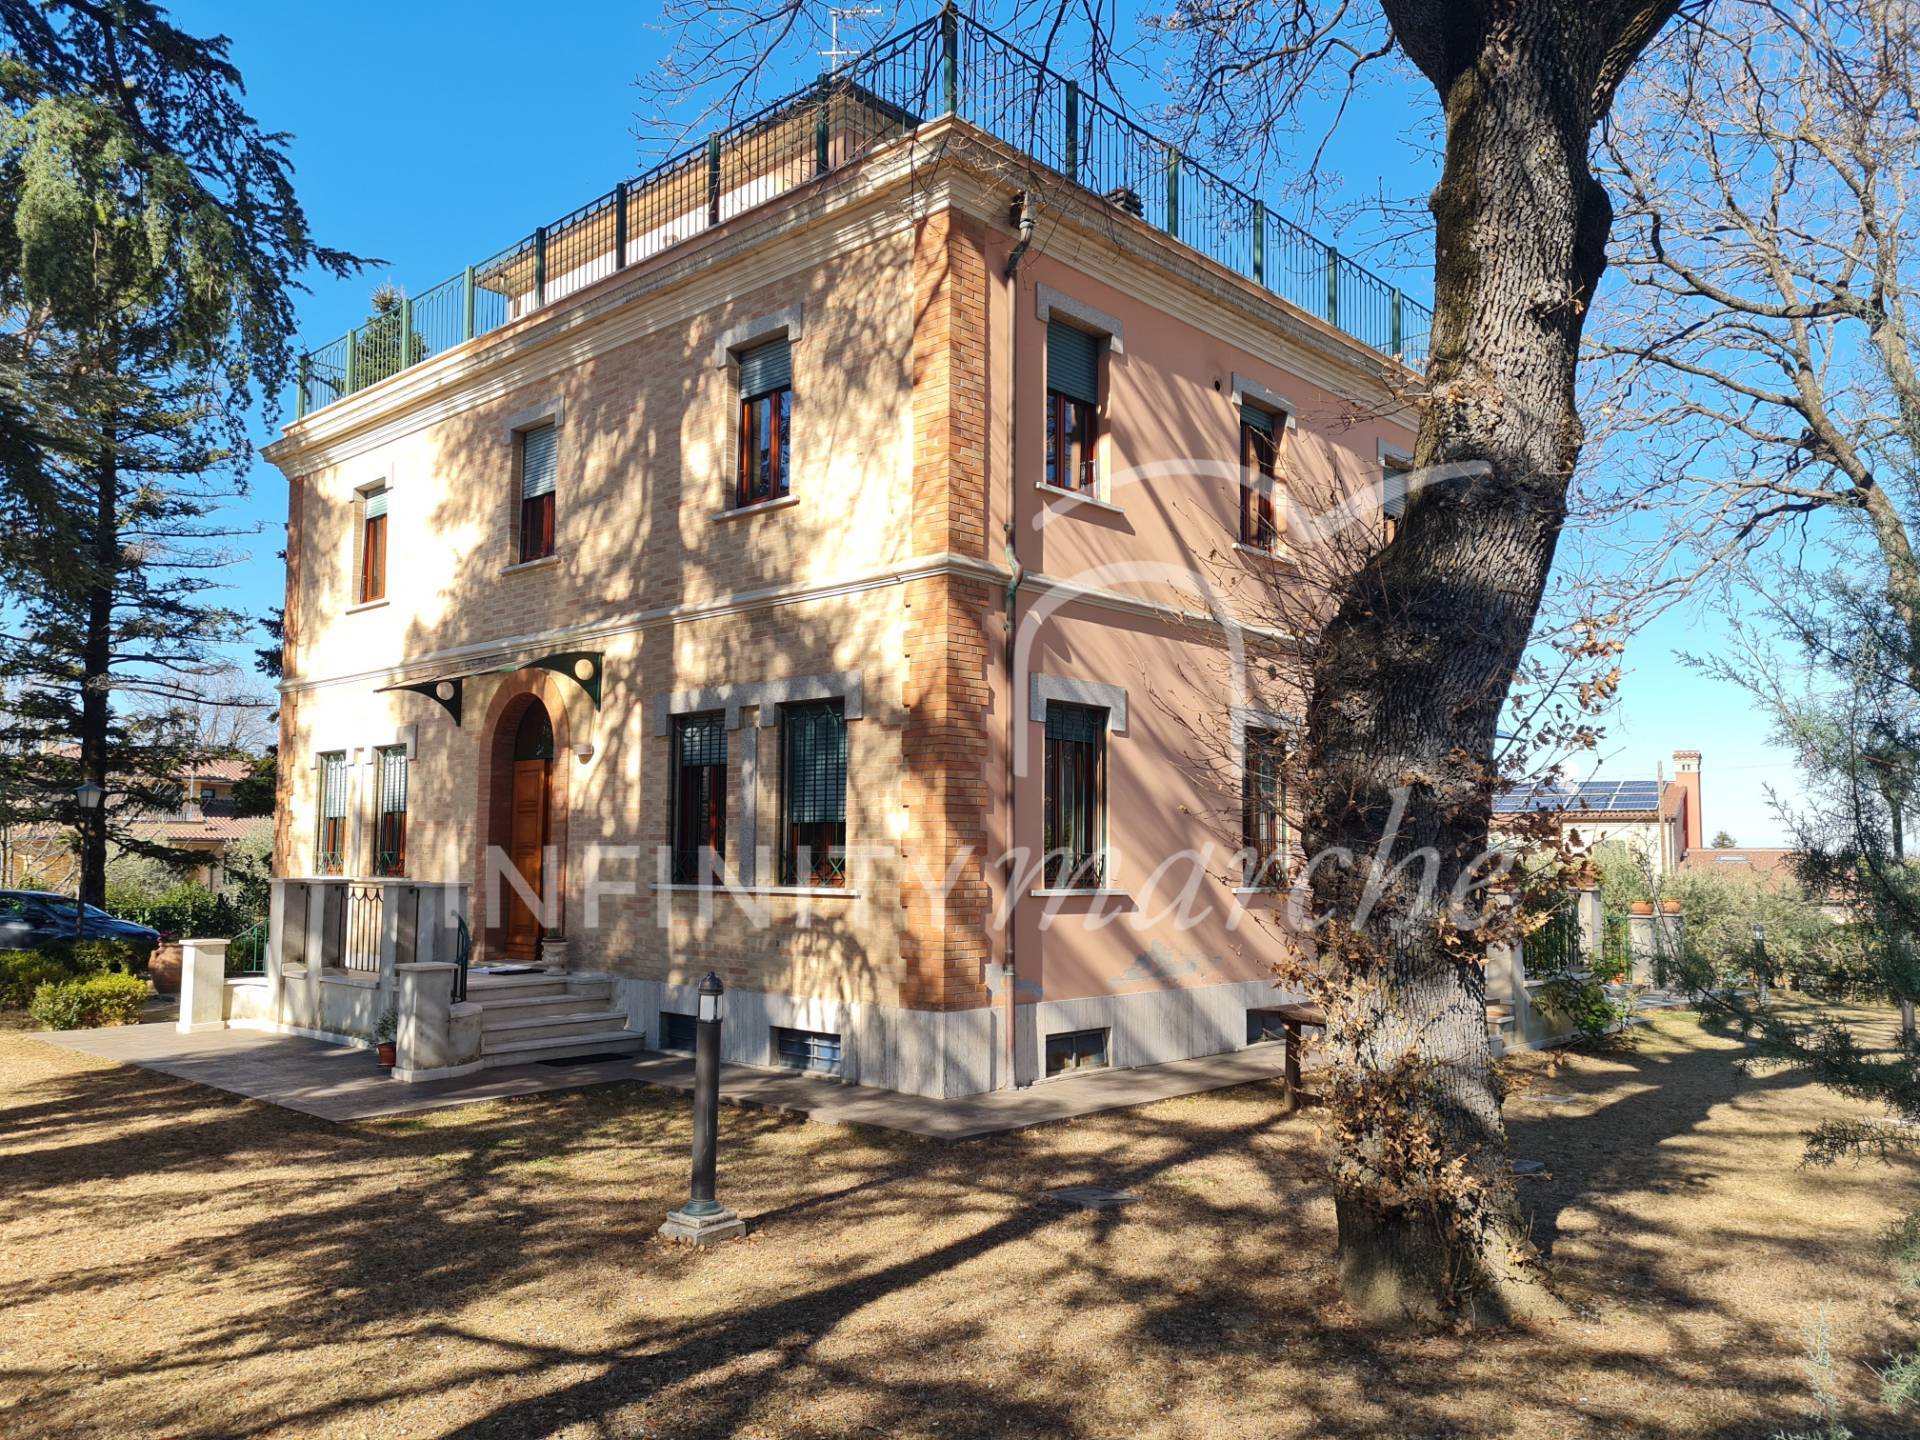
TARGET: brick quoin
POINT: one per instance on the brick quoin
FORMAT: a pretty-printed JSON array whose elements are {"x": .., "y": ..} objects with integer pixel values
[{"x": 944, "y": 947}]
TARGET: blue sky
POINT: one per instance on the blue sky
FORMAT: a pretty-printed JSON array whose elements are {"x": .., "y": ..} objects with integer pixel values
[{"x": 430, "y": 133}]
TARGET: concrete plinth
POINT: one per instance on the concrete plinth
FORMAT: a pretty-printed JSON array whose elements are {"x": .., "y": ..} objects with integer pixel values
[
  {"x": 203, "y": 986},
  {"x": 723, "y": 1224}
]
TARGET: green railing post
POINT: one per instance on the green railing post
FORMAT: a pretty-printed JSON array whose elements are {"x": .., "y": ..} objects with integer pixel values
[
  {"x": 466, "y": 304},
  {"x": 406, "y": 334},
  {"x": 713, "y": 180},
  {"x": 620, "y": 226},
  {"x": 1259, "y": 242},
  {"x": 1173, "y": 193},
  {"x": 950, "y": 58},
  {"x": 822, "y": 134},
  {"x": 1073, "y": 131},
  {"x": 1394, "y": 311},
  {"x": 301, "y": 370},
  {"x": 353, "y": 351},
  {"x": 539, "y": 267},
  {"x": 1333, "y": 286}
]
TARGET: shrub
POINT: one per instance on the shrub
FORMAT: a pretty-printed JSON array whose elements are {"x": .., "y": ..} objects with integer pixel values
[
  {"x": 82, "y": 1004},
  {"x": 184, "y": 909},
  {"x": 24, "y": 971}
]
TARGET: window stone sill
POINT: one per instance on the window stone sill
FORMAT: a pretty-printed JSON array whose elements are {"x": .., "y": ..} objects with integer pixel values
[
  {"x": 520, "y": 567},
  {"x": 367, "y": 605},
  {"x": 1278, "y": 555},
  {"x": 741, "y": 512},
  {"x": 830, "y": 892},
  {"x": 1108, "y": 894},
  {"x": 1080, "y": 496}
]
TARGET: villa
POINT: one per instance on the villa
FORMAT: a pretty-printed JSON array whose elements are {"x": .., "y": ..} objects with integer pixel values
[{"x": 840, "y": 559}]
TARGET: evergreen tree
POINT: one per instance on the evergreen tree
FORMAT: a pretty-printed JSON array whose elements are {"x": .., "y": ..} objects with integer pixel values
[{"x": 149, "y": 242}]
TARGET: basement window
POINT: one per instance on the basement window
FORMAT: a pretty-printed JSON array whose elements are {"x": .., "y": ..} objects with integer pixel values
[
  {"x": 1076, "y": 1050},
  {"x": 1264, "y": 1025},
  {"x": 677, "y": 1031},
  {"x": 811, "y": 1050}
]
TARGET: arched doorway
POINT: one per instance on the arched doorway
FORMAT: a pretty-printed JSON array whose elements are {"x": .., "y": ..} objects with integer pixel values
[{"x": 529, "y": 825}]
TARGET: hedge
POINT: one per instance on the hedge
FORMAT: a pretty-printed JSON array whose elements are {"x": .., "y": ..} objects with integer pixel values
[
  {"x": 24, "y": 971},
  {"x": 82, "y": 1004}
]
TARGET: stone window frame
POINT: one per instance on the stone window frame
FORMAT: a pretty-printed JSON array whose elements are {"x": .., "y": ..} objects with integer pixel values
[
  {"x": 550, "y": 412},
  {"x": 357, "y": 541},
  {"x": 787, "y": 323},
  {"x": 1049, "y": 304},
  {"x": 764, "y": 697},
  {"x": 1042, "y": 690},
  {"x": 1243, "y": 719}
]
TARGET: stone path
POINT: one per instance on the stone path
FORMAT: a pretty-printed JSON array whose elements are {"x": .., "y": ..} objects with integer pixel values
[{"x": 339, "y": 1083}]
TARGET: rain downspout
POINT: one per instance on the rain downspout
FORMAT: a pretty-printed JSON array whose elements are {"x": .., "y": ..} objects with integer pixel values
[{"x": 1023, "y": 219}]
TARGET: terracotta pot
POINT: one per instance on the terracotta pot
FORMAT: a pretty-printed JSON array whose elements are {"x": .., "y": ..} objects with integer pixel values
[
  {"x": 1641, "y": 907},
  {"x": 1671, "y": 907},
  {"x": 385, "y": 1052}
]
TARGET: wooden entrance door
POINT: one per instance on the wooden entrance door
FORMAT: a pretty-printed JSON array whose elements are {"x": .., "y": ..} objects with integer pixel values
[{"x": 527, "y": 835}]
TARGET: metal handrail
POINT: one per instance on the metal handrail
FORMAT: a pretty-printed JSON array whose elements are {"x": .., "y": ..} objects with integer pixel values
[
  {"x": 947, "y": 65},
  {"x": 462, "y": 956},
  {"x": 247, "y": 951}
]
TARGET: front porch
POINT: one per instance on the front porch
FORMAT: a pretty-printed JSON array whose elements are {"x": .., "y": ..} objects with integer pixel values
[{"x": 353, "y": 961}]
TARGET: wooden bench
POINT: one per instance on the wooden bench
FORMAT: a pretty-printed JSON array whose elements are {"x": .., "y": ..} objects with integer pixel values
[{"x": 1292, "y": 1019}]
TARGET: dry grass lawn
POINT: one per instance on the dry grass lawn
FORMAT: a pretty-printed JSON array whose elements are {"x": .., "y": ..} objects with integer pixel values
[{"x": 178, "y": 1262}]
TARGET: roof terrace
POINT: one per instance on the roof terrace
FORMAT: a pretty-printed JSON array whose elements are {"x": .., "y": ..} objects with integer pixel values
[{"x": 946, "y": 66}]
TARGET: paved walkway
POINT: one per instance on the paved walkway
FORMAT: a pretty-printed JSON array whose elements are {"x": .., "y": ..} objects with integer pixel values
[{"x": 337, "y": 1082}]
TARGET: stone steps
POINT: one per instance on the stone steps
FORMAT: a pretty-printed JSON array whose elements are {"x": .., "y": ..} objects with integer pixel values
[{"x": 548, "y": 1016}]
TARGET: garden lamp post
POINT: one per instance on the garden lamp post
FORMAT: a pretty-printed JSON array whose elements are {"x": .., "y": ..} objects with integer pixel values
[
  {"x": 87, "y": 796},
  {"x": 703, "y": 1219},
  {"x": 1760, "y": 960}
]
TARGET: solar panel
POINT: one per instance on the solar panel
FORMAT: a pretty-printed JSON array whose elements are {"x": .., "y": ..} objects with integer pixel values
[{"x": 1596, "y": 796}]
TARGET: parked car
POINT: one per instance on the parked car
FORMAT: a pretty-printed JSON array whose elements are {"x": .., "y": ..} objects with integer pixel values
[{"x": 32, "y": 918}]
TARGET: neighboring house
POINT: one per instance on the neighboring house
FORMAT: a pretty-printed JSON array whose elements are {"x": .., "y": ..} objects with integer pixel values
[
  {"x": 796, "y": 536},
  {"x": 1659, "y": 819},
  {"x": 203, "y": 822}
]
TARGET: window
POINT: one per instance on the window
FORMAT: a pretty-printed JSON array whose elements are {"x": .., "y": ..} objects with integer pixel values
[
  {"x": 699, "y": 826},
  {"x": 807, "y": 1050},
  {"x": 1393, "y": 497},
  {"x": 1263, "y": 820},
  {"x": 1076, "y": 1050},
  {"x": 813, "y": 770},
  {"x": 677, "y": 1030},
  {"x": 1263, "y": 1026},
  {"x": 1073, "y": 398},
  {"x": 539, "y": 476},
  {"x": 1074, "y": 818},
  {"x": 1259, "y": 468},
  {"x": 766, "y": 423},
  {"x": 330, "y": 845},
  {"x": 390, "y": 824},
  {"x": 373, "y": 546}
]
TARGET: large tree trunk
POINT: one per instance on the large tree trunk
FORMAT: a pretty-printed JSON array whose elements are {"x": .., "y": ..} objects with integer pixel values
[
  {"x": 96, "y": 665},
  {"x": 1411, "y": 675}
]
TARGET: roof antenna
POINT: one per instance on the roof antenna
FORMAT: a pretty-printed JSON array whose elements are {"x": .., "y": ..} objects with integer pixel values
[{"x": 836, "y": 55}]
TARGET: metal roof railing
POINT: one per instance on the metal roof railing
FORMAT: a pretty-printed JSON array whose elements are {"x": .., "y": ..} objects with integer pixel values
[{"x": 948, "y": 65}]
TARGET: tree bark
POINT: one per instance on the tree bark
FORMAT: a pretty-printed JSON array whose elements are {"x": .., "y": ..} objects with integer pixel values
[
  {"x": 1411, "y": 675},
  {"x": 96, "y": 666}
]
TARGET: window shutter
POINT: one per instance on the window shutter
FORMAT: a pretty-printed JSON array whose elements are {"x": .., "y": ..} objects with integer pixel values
[
  {"x": 393, "y": 781},
  {"x": 1073, "y": 362},
  {"x": 817, "y": 753},
  {"x": 1254, "y": 418},
  {"x": 333, "y": 786},
  {"x": 765, "y": 368},
  {"x": 1081, "y": 724},
  {"x": 376, "y": 504},
  {"x": 703, "y": 740},
  {"x": 538, "y": 466},
  {"x": 1393, "y": 498}
]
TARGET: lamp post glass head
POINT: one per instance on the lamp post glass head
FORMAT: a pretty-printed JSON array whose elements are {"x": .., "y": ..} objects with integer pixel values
[
  {"x": 88, "y": 794},
  {"x": 710, "y": 992},
  {"x": 1759, "y": 934}
]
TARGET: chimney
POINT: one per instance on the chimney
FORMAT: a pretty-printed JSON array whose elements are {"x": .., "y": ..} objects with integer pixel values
[{"x": 1686, "y": 774}]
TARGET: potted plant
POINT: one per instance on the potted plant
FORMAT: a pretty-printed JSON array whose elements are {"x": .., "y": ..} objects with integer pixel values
[
  {"x": 383, "y": 1034},
  {"x": 1670, "y": 907},
  {"x": 1641, "y": 907}
]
